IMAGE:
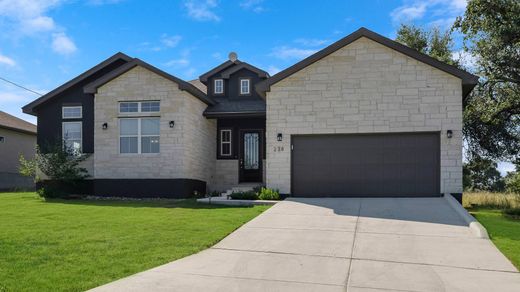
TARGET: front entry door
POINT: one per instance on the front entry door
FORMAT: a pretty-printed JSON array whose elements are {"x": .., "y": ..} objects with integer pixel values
[{"x": 250, "y": 161}]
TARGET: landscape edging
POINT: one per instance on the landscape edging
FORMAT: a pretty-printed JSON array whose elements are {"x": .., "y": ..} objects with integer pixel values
[{"x": 476, "y": 228}]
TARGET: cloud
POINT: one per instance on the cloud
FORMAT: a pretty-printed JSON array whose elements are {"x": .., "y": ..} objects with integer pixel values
[
  {"x": 62, "y": 44},
  {"x": 22, "y": 18},
  {"x": 287, "y": 53},
  {"x": 273, "y": 70},
  {"x": 253, "y": 5},
  {"x": 466, "y": 59},
  {"x": 170, "y": 41},
  {"x": 9, "y": 97},
  {"x": 103, "y": 2},
  {"x": 202, "y": 10},
  {"x": 38, "y": 24},
  {"x": 408, "y": 13},
  {"x": 4, "y": 60},
  {"x": 28, "y": 15},
  {"x": 311, "y": 42},
  {"x": 182, "y": 62},
  {"x": 418, "y": 9}
]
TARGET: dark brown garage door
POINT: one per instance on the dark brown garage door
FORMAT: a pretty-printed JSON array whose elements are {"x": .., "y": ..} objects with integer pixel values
[{"x": 366, "y": 165}]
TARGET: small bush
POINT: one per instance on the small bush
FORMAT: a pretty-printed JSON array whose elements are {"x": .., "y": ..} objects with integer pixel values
[
  {"x": 249, "y": 195},
  {"x": 513, "y": 213},
  {"x": 269, "y": 194}
]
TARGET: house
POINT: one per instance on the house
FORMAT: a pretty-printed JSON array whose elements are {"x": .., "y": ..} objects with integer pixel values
[
  {"x": 17, "y": 137},
  {"x": 365, "y": 116}
]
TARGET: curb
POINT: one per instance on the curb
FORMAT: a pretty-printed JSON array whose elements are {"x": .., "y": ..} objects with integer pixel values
[
  {"x": 236, "y": 202},
  {"x": 476, "y": 228}
]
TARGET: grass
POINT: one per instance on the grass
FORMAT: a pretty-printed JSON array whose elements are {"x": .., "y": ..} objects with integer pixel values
[
  {"x": 76, "y": 245},
  {"x": 504, "y": 232}
]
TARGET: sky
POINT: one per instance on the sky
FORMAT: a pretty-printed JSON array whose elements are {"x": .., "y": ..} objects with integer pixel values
[{"x": 45, "y": 43}]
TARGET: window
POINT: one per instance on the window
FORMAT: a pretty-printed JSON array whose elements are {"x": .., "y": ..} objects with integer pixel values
[
  {"x": 150, "y": 106},
  {"x": 2, "y": 139},
  {"x": 219, "y": 86},
  {"x": 139, "y": 107},
  {"x": 72, "y": 136},
  {"x": 71, "y": 112},
  {"x": 128, "y": 107},
  {"x": 244, "y": 86},
  {"x": 225, "y": 142},
  {"x": 140, "y": 135}
]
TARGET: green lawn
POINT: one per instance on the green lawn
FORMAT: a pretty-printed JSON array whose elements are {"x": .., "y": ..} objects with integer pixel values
[
  {"x": 77, "y": 245},
  {"x": 504, "y": 232}
]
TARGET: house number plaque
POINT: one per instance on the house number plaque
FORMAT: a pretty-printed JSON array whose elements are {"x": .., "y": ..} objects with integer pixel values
[{"x": 278, "y": 148}]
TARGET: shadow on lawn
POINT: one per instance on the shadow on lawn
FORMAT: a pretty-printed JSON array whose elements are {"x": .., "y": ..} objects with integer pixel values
[{"x": 182, "y": 203}]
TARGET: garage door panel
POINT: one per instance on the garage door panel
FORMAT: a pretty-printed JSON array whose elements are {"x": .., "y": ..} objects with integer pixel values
[{"x": 366, "y": 165}]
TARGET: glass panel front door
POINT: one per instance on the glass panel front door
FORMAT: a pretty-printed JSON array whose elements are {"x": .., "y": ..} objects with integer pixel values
[
  {"x": 250, "y": 156},
  {"x": 251, "y": 151}
]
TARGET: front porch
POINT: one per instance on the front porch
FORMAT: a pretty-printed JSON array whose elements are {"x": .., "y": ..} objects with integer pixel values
[{"x": 240, "y": 159}]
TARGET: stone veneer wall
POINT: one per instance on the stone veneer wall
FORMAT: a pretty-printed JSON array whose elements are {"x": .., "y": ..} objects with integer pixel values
[
  {"x": 365, "y": 87},
  {"x": 186, "y": 151},
  {"x": 226, "y": 175}
]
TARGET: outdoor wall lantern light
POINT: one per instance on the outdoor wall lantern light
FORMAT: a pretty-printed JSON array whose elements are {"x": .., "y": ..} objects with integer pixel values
[
  {"x": 279, "y": 137},
  {"x": 449, "y": 134},
  {"x": 105, "y": 126},
  {"x": 172, "y": 123}
]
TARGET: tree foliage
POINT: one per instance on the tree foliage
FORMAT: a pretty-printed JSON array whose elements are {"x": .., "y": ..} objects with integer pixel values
[
  {"x": 433, "y": 42},
  {"x": 491, "y": 30},
  {"x": 482, "y": 174}
]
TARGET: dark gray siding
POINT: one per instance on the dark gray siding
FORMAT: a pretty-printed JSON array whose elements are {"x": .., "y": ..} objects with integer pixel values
[
  {"x": 50, "y": 116},
  {"x": 236, "y": 125},
  {"x": 231, "y": 89}
]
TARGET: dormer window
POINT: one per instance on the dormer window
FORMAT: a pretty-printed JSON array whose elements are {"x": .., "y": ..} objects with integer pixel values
[
  {"x": 244, "y": 86},
  {"x": 219, "y": 86}
]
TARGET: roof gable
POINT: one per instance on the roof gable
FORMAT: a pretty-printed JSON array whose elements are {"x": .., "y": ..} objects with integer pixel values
[
  {"x": 29, "y": 108},
  {"x": 468, "y": 80},
  {"x": 183, "y": 85},
  {"x": 243, "y": 65},
  {"x": 204, "y": 77}
]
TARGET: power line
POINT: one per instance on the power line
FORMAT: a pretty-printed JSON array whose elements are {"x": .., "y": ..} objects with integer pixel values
[{"x": 22, "y": 87}]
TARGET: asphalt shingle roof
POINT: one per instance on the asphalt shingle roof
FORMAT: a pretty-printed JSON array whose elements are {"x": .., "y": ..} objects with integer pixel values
[{"x": 11, "y": 122}]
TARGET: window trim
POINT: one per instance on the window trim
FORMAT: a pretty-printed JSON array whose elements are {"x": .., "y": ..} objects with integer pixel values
[
  {"x": 71, "y": 106},
  {"x": 248, "y": 86},
  {"x": 139, "y": 135},
  {"x": 215, "y": 86},
  {"x": 81, "y": 134},
  {"x": 230, "y": 142},
  {"x": 139, "y": 107}
]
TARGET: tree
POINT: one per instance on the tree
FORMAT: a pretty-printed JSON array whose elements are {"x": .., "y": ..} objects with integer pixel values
[
  {"x": 491, "y": 30},
  {"x": 482, "y": 174},
  {"x": 432, "y": 42}
]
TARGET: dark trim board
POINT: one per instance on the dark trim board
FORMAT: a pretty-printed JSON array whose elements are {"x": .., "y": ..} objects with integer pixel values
[{"x": 177, "y": 188}]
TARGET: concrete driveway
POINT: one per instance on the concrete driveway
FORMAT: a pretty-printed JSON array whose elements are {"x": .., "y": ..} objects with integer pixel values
[{"x": 377, "y": 244}]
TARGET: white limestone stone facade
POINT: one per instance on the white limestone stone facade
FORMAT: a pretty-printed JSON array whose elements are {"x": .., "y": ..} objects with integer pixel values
[
  {"x": 186, "y": 151},
  {"x": 365, "y": 87}
]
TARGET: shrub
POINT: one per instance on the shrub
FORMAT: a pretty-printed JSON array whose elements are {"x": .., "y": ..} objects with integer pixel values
[
  {"x": 513, "y": 213},
  {"x": 249, "y": 195},
  {"x": 61, "y": 166},
  {"x": 269, "y": 194}
]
